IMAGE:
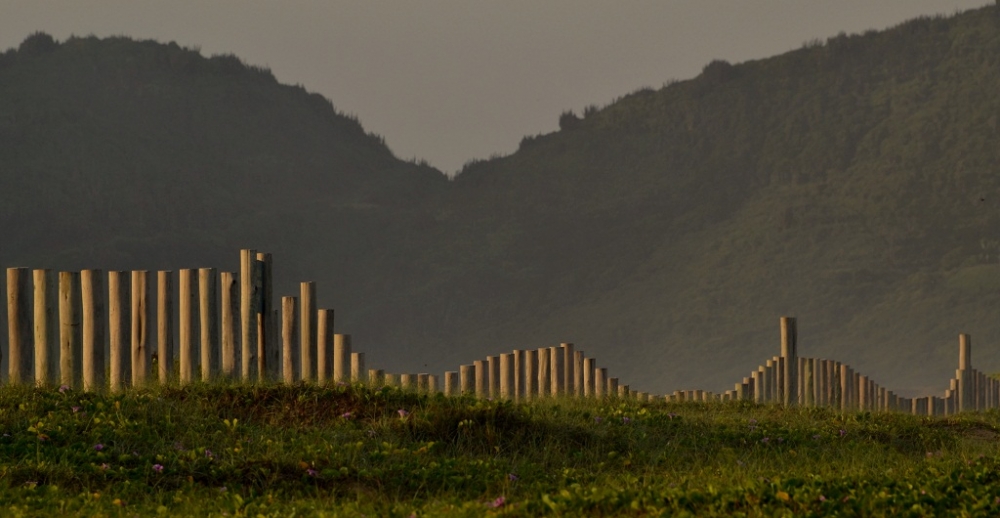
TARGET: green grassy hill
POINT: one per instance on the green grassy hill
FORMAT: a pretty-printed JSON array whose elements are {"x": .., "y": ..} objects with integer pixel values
[{"x": 852, "y": 183}]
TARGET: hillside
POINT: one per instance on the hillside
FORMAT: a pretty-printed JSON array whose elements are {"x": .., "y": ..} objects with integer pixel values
[{"x": 852, "y": 183}]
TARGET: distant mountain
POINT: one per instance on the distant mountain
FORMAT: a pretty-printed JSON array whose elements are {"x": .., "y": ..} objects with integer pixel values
[{"x": 852, "y": 183}]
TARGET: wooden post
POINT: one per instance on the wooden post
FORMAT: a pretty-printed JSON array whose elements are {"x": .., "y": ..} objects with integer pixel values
[
  {"x": 467, "y": 379},
  {"x": 432, "y": 384},
  {"x": 507, "y": 376},
  {"x": 544, "y": 372},
  {"x": 164, "y": 326},
  {"x": 557, "y": 374},
  {"x": 324, "y": 345},
  {"x": 423, "y": 382},
  {"x": 493, "y": 363},
  {"x": 612, "y": 387},
  {"x": 864, "y": 402},
  {"x": 251, "y": 280},
  {"x": 846, "y": 394},
  {"x": 46, "y": 327},
  {"x": 588, "y": 377},
  {"x": 759, "y": 394},
  {"x": 208, "y": 305},
  {"x": 20, "y": 349},
  {"x": 568, "y": 389},
  {"x": 966, "y": 394},
  {"x": 341, "y": 357},
  {"x": 450, "y": 383},
  {"x": 357, "y": 367},
  {"x": 769, "y": 381},
  {"x": 92, "y": 295},
  {"x": 407, "y": 381},
  {"x": 530, "y": 374},
  {"x": 789, "y": 351},
  {"x": 578, "y": 385},
  {"x": 391, "y": 380},
  {"x": 268, "y": 348},
  {"x": 800, "y": 381},
  {"x": 141, "y": 353},
  {"x": 481, "y": 389},
  {"x": 70, "y": 349},
  {"x": 518, "y": 374},
  {"x": 600, "y": 375},
  {"x": 307, "y": 337},
  {"x": 834, "y": 386},
  {"x": 120, "y": 373},
  {"x": 289, "y": 338},
  {"x": 187, "y": 302},
  {"x": 376, "y": 377},
  {"x": 231, "y": 354}
]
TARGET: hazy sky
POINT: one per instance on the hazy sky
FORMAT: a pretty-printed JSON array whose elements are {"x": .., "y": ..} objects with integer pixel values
[{"x": 449, "y": 81}]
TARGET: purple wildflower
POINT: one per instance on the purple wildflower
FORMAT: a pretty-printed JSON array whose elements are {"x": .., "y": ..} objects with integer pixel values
[
  {"x": 223, "y": 489},
  {"x": 312, "y": 472},
  {"x": 346, "y": 415},
  {"x": 765, "y": 440},
  {"x": 75, "y": 409},
  {"x": 671, "y": 415},
  {"x": 822, "y": 498},
  {"x": 104, "y": 466},
  {"x": 597, "y": 419},
  {"x": 98, "y": 447},
  {"x": 158, "y": 468},
  {"x": 209, "y": 454},
  {"x": 626, "y": 420},
  {"x": 63, "y": 388},
  {"x": 498, "y": 502},
  {"x": 512, "y": 477},
  {"x": 843, "y": 432},
  {"x": 403, "y": 413}
]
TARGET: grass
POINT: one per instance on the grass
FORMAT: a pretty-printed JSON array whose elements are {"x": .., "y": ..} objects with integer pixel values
[{"x": 304, "y": 450}]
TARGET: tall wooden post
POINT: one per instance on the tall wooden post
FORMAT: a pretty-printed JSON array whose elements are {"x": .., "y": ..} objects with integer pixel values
[
  {"x": 20, "y": 348},
  {"x": 289, "y": 338},
  {"x": 92, "y": 295},
  {"x": 481, "y": 387},
  {"x": 578, "y": 373},
  {"x": 518, "y": 374},
  {"x": 268, "y": 335},
  {"x": 966, "y": 392},
  {"x": 544, "y": 372},
  {"x": 251, "y": 278},
  {"x": 530, "y": 374},
  {"x": 230, "y": 306},
  {"x": 70, "y": 349},
  {"x": 557, "y": 374},
  {"x": 164, "y": 325},
  {"x": 789, "y": 351},
  {"x": 187, "y": 302},
  {"x": 324, "y": 345},
  {"x": 450, "y": 383},
  {"x": 588, "y": 377},
  {"x": 208, "y": 305},
  {"x": 568, "y": 369},
  {"x": 493, "y": 363},
  {"x": 141, "y": 352},
  {"x": 120, "y": 373},
  {"x": 46, "y": 327},
  {"x": 507, "y": 376},
  {"x": 307, "y": 338}
]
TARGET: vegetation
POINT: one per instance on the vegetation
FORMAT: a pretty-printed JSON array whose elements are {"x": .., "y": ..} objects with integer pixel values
[
  {"x": 218, "y": 450},
  {"x": 851, "y": 183}
]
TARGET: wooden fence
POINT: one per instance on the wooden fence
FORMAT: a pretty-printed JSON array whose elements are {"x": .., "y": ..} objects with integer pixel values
[{"x": 68, "y": 328}]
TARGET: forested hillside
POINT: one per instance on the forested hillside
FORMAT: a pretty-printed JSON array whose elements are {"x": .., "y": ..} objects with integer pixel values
[{"x": 852, "y": 183}]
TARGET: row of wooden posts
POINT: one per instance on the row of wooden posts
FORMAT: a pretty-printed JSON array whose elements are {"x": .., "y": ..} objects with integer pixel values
[{"x": 60, "y": 328}]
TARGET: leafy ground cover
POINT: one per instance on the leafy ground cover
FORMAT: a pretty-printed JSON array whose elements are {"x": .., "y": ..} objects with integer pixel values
[{"x": 352, "y": 450}]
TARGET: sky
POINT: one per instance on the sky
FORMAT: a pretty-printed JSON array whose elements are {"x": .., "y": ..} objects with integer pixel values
[{"x": 452, "y": 81}]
